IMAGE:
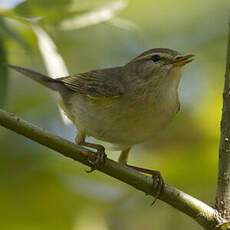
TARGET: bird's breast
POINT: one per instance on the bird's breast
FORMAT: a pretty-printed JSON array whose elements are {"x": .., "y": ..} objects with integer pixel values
[{"x": 121, "y": 121}]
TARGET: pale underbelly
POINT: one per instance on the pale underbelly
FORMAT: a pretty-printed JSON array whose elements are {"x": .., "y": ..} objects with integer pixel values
[{"x": 119, "y": 127}]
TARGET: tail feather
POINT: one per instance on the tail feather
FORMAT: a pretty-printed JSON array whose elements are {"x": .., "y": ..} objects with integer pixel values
[{"x": 51, "y": 83}]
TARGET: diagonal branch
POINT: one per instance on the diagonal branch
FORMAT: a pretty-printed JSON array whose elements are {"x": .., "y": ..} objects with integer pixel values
[{"x": 205, "y": 215}]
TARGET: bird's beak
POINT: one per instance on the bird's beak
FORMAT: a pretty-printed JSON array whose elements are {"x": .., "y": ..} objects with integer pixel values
[{"x": 182, "y": 60}]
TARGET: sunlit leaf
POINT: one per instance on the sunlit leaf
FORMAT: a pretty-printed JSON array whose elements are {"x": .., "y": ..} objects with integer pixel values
[
  {"x": 54, "y": 62},
  {"x": 96, "y": 16}
]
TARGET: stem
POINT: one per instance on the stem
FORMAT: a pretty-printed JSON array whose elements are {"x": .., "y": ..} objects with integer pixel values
[
  {"x": 205, "y": 215},
  {"x": 223, "y": 187}
]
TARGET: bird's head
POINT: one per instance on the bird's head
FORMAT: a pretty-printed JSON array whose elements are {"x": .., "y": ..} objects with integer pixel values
[{"x": 158, "y": 63}]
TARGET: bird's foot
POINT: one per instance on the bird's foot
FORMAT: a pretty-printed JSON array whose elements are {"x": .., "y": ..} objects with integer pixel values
[
  {"x": 158, "y": 182},
  {"x": 98, "y": 160}
]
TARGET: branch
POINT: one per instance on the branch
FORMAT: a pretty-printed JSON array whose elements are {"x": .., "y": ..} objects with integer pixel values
[
  {"x": 205, "y": 215},
  {"x": 223, "y": 187}
]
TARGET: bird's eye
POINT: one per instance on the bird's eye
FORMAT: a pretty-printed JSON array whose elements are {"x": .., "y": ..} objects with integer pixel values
[{"x": 156, "y": 58}]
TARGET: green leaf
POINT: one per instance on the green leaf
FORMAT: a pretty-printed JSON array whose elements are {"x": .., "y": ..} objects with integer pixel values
[{"x": 6, "y": 30}]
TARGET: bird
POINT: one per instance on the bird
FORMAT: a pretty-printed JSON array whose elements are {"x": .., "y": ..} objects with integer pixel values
[{"x": 124, "y": 105}]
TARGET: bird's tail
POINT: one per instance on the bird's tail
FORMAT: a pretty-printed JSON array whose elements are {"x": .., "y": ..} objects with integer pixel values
[{"x": 50, "y": 83}]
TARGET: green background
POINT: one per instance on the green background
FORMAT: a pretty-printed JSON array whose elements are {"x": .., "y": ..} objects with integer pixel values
[{"x": 40, "y": 189}]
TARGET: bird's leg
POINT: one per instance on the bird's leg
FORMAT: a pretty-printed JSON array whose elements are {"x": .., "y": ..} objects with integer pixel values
[
  {"x": 123, "y": 158},
  {"x": 95, "y": 162},
  {"x": 158, "y": 182}
]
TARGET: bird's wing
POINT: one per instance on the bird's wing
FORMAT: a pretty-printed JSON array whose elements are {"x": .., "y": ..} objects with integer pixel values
[{"x": 96, "y": 84}]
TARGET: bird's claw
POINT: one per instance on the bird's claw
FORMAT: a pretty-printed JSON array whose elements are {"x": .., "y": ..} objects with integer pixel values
[
  {"x": 98, "y": 160},
  {"x": 158, "y": 185},
  {"x": 158, "y": 182}
]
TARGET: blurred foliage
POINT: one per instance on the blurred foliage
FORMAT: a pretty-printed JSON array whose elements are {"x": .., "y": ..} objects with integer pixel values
[
  {"x": 41, "y": 190},
  {"x": 3, "y": 73}
]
